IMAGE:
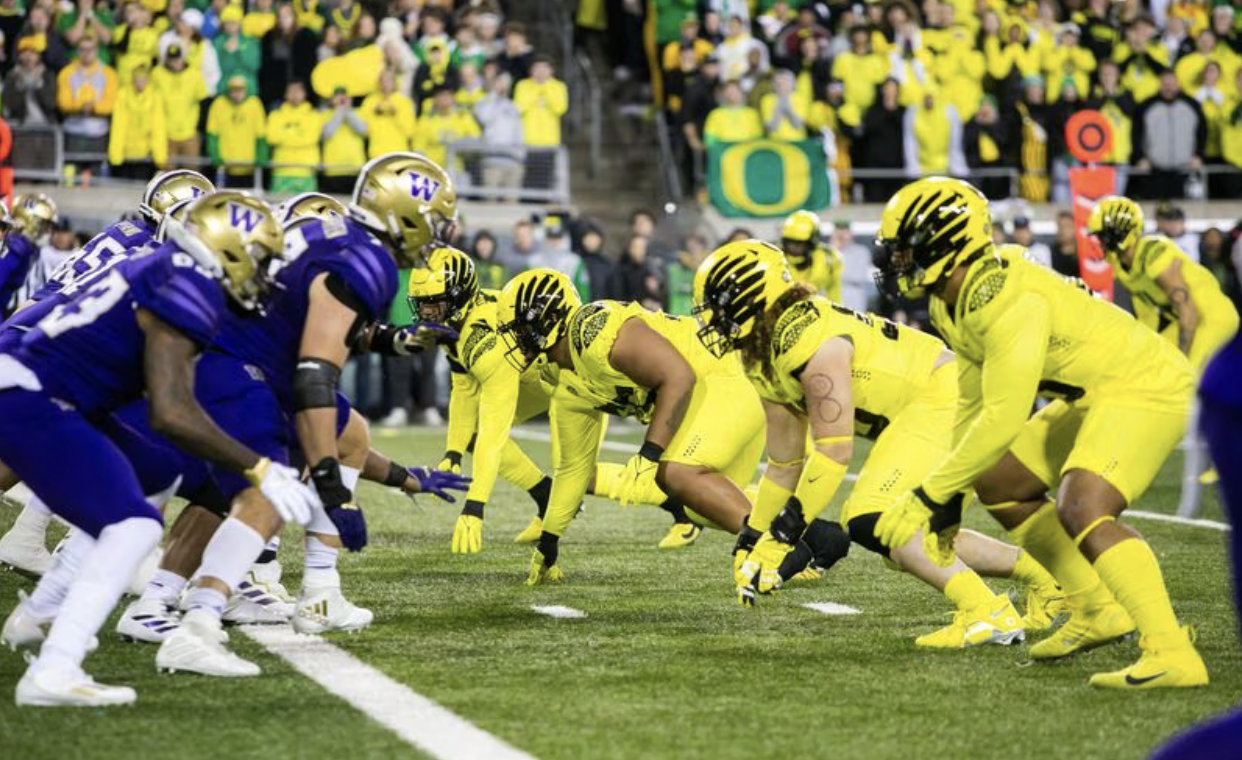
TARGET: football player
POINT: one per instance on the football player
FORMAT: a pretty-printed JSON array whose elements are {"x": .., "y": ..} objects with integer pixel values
[
  {"x": 811, "y": 261},
  {"x": 26, "y": 229},
  {"x": 1122, "y": 397},
  {"x": 704, "y": 421},
  {"x": 339, "y": 275},
  {"x": 820, "y": 366},
  {"x": 139, "y": 329},
  {"x": 24, "y": 545}
]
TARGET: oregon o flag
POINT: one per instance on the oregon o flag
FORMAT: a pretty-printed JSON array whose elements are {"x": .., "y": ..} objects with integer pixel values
[{"x": 767, "y": 177}]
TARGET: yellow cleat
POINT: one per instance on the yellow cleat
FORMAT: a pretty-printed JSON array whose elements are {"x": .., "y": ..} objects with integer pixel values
[
  {"x": 1083, "y": 632},
  {"x": 996, "y": 622},
  {"x": 1172, "y": 665},
  {"x": 806, "y": 575},
  {"x": 531, "y": 533},
  {"x": 1210, "y": 477},
  {"x": 1044, "y": 604},
  {"x": 680, "y": 535}
]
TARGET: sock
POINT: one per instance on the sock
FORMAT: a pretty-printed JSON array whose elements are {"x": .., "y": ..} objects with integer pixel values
[
  {"x": 1030, "y": 573},
  {"x": 1043, "y": 536},
  {"x": 1130, "y": 570},
  {"x": 207, "y": 599},
  {"x": 541, "y": 493},
  {"x": 46, "y": 599},
  {"x": 231, "y": 552},
  {"x": 967, "y": 590},
  {"x": 349, "y": 477},
  {"x": 269, "y": 552},
  {"x": 164, "y": 587},
  {"x": 104, "y": 575},
  {"x": 33, "y": 519},
  {"x": 676, "y": 509},
  {"x": 517, "y": 468},
  {"x": 320, "y": 566}
]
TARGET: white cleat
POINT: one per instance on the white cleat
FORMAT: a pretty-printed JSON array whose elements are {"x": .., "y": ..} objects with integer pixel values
[
  {"x": 25, "y": 552},
  {"x": 145, "y": 572},
  {"x": 323, "y": 610},
  {"x": 70, "y": 687},
  {"x": 148, "y": 620},
  {"x": 255, "y": 604},
  {"x": 197, "y": 646},
  {"x": 23, "y": 630}
]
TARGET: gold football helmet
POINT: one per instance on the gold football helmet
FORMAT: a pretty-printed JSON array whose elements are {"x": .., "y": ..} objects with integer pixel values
[
  {"x": 799, "y": 236},
  {"x": 176, "y": 212},
  {"x": 236, "y": 237},
  {"x": 533, "y": 313},
  {"x": 448, "y": 281},
  {"x": 1117, "y": 222},
  {"x": 733, "y": 287},
  {"x": 407, "y": 198},
  {"x": 167, "y": 189},
  {"x": 317, "y": 205},
  {"x": 33, "y": 215},
  {"x": 928, "y": 228}
]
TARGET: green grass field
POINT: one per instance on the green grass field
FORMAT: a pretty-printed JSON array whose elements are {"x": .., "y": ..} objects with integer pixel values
[{"x": 666, "y": 665}]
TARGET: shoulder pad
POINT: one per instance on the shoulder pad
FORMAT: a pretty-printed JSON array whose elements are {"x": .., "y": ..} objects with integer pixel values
[
  {"x": 587, "y": 324},
  {"x": 790, "y": 326},
  {"x": 1149, "y": 247},
  {"x": 480, "y": 338},
  {"x": 986, "y": 284}
]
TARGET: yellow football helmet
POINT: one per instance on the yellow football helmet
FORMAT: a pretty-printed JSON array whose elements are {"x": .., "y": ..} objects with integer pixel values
[
  {"x": 236, "y": 237},
  {"x": 409, "y": 199},
  {"x": 33, "y": 215},
  {"x": 733, "y": 287},
  {"x": 1117, "y": 222},
  {"x": 317, "y": 205},
  {"x": 928, "y": 228},
  {"x": 169, "y": 188},
  {"x": 800, "y": 236},
  {"x": 533, "y": 313},
  {"x": 449, "y": 278}
]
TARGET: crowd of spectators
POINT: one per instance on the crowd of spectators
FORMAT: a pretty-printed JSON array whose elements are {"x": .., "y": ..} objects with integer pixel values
[
  {"x": 898, "y": 88},
  {"x": 309, "y": 88}
]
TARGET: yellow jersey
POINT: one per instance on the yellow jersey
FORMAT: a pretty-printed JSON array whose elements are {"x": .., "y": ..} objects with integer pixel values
[
  {"x": 822, "y": 272},
  {"x": 592, "y": 331},
  {"x": 1218, "y": 319},
  {"x": 891, "y": 362},
  {"x": 1021, "y": 330}
]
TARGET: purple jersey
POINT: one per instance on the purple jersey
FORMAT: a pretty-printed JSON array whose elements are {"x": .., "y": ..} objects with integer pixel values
[
  {"x": 106, "y": 249},
  {"x": 88, "y": 350},
  {"x": 16, "y": 256},
  {"x": 340, "y": 247}
]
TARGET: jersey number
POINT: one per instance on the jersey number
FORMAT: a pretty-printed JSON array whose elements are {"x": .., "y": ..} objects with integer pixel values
[
  {"x": 71, "y": 274},
  {"x": 888, "y": 328},
  {"x": 87, "y": 308}
]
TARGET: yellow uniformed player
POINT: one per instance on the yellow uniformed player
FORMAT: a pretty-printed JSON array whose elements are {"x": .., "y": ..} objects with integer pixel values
[
  {"x": 489, "y": 396},
  {"x": 1122, "y": 399},
  {"x": 704, "y": 422},
  {"x": 840, "y": 373},
  {"x": 811, "y": 261},
  {"x": 1172, "y": 294}
]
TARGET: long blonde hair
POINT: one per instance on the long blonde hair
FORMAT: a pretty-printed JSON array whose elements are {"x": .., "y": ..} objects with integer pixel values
[{"x": 757, "y": 347}]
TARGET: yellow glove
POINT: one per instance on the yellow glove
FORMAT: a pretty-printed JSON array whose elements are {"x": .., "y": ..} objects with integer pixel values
[
  {"x": 945, "y": 522},
  {"x": 761, "y": 569},
  {"x": 541, "y": 571},
  {"x": 468, "y": 532},
  {"x": 637, "y": 475},
  {"x": 451, "y": 462},
  {"x": 746, "y": 539},
  {"x": 903, "y": 521}
]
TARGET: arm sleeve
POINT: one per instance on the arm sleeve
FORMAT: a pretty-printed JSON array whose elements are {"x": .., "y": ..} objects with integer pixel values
[
  {"x": 576, "y": 433},
  {"x": 498, "y": 397},
  {"x": 1014, "y": 347},
  {"x": 463, "y": 411},
  {"x": 969, "y": 398}
]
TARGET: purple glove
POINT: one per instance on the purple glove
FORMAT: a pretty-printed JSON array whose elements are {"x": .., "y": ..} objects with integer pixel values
[{"x": 439, "y": 482}]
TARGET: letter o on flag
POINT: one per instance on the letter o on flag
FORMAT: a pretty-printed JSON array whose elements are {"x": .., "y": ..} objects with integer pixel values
[{"x": 765, "y": 177}]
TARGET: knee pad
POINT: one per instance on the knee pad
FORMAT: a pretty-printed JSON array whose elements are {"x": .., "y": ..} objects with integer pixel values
[
  {"x": 862, "y": 532},
  {"x": 828, "y": 541}
]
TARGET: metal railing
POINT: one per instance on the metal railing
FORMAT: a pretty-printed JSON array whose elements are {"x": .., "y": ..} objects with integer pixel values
[
  {"x": 38, "y": 153},
  {"x": 510, "y": 173},
  {"x": 668, "y": 158},
  {"x": 590, "y": 99}
]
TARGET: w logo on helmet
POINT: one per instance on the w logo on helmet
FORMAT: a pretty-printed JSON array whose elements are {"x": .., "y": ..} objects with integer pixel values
[
  {"x": 422, "y": 186},
  {"x": 244, "y": 217}
]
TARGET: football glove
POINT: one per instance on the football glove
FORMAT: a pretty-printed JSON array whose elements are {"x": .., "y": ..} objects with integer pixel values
[
  {"x": 637, "y": 475},
  {"x": 451, "y": 462},
  {"x": 439, "y": 482},
  {"x": 468, "y": 532},
  {"x": 350, "y": 524},
  {"x": 746, "y": 539},
  {"x": 541, "y": 571},
  {"x": 293, "y": 500},
  {"x": 912, "y": 513},
  {"x": 946, "y": 521}
]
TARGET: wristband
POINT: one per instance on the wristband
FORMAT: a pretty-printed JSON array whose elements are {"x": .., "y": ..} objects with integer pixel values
[
  {"x": 397, "y": 475},
  {"x": 651, "y": 451},
  {"x": 256, "y": 474},
  {"x": 473, "y": 508},
  {"x": 454, "y": 458}
]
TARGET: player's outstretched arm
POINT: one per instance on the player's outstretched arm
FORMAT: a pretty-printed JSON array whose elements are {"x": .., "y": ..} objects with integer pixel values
[
  {"x": 498, "y": 396},
  {"x": 1174, "y": 286}
]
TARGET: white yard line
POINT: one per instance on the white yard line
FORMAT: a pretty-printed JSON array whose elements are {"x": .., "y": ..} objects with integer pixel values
[
  {"x": 1161, "y": 517},
  {"x": 832, "y": 608},
  {"x": 420, "y": 722},
  {"x": 558, "y": 611}
]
